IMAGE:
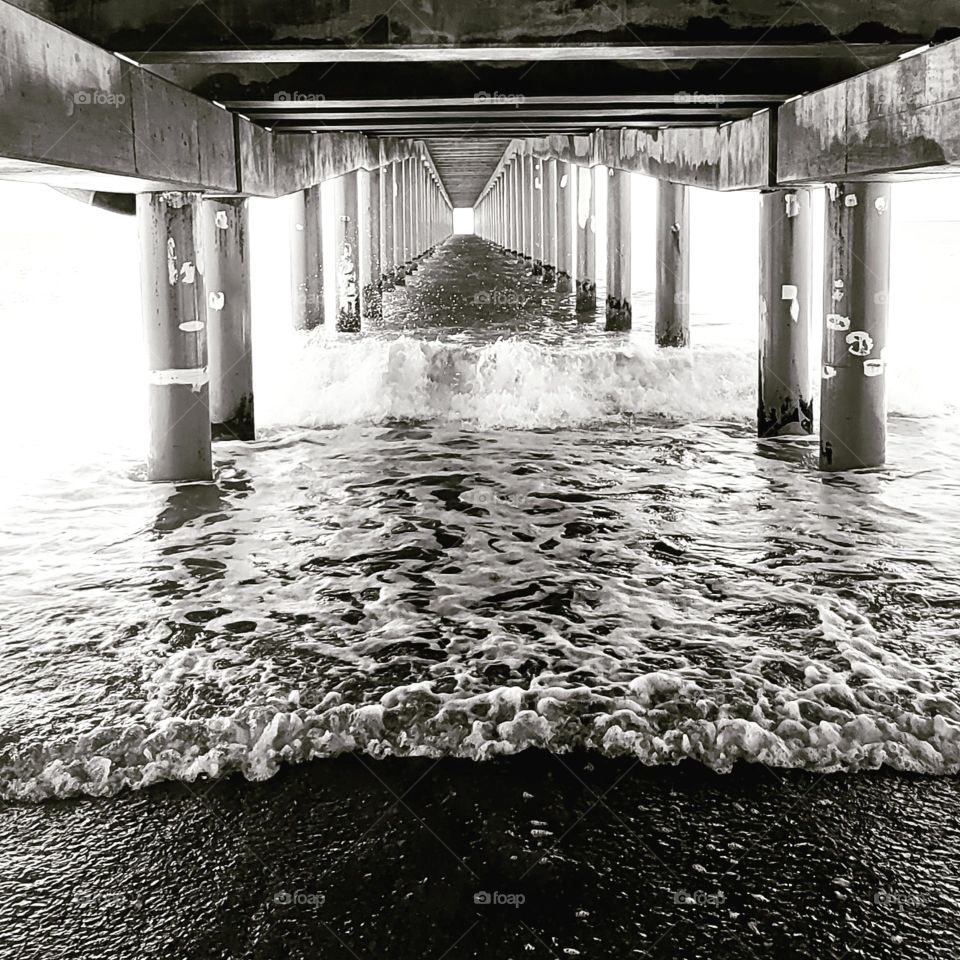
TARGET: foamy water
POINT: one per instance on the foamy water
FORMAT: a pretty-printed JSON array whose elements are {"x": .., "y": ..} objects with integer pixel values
[{"x": 483, "y": 527}]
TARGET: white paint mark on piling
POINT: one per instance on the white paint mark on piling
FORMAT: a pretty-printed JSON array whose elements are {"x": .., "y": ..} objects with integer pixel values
[
  {"x": 188, "y": 272},
  {"x": 174, "y": 200},
  {"x": 223, "y": 222},
  {"x": 850, "y": 200},
  {"x": 192, "y": 326},
  {"x": 788, "y": 292},
  {"x": 836, "y": 322},
  {"x": 194, "y": 377},
  {"x": 834, "y": 190},
  {"x": 792, "y": 202},
  {"x": 216, "y": 300},
  {"x": 829, "y": 372},
  {"x": 563, "y": 182},
  {"x": 860, "y": 343},
  {"x": 881, "y": 204},
  {"x": 873, "y": 368},
  {"x": 172, "y": 261}
]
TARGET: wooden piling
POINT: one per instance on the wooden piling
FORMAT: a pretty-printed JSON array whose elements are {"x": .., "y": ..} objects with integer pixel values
[
  {"x": 176, "y": 336},
  {"x": 853, "y": 422},
  {"x": 226, "y": 283},
  {"x": 347, "y": 246},
  {"x": 536, "y": 217},
  {"x": 673, "y": 265},
  {"x": 586, "y": 241},
  {"x": 619, "y": 311},
  {"x": 306, "y": 258},
  {"x": 785, "y": 390}
]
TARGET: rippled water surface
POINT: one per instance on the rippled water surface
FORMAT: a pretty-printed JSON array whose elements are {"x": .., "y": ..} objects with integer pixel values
[{"x": 485, "y": 526}]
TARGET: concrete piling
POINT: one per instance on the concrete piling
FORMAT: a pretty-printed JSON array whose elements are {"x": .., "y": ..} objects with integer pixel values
[
  {"x": 619, "y": 311},
  {"x": 536, "y": 216},
  {"x": 388, "y": 263},
  {"x": 565, "y": 192},
  {"x": 673, "y": 265},
  {"x": 853, "y": 422},
  {"x": 176, "y": 336},
  {"x": 549, "y": 193},
  {"x": 586, "y": 241},
  {"x": 347, "y": 246},
  {"x": 785, "y": 390},
  {"x": 226, "y": 287},
  {"x": 306, "y": 258},
  {"x": 371, "y": 287}
]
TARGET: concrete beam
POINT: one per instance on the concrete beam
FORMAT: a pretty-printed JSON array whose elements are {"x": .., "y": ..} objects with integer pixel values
[
  {"x": 898, "y": 118},
  {"x": 86, "y": 119}
]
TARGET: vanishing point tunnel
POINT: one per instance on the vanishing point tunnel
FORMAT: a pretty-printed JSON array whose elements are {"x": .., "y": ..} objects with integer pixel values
[{"x": 181, "y": 112}]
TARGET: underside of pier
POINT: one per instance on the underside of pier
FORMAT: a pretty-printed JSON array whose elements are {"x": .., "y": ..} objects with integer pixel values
[{"x": 509, "y": 108}]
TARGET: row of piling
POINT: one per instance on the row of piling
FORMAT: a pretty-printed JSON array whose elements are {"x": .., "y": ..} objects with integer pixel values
[{"x": 527, "y": 210}]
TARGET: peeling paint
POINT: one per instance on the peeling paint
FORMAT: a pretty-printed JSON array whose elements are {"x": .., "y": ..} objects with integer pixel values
[
  {"x": 188, "y": 272},
  {"x": 860, "y": 343},
  {"x": 874, "y": 368},
  {"x": 829, "y": 372},
  {"x": 836, "y": 322},
  {"x": 174, "y": 200},
  {"x": 172, "y": 261},
  {"x": 222, "y": 220},
  {"x": 216, "y": 300},
  {"x": 833, "y": 190},
  {"x": 195, "y": 377}
]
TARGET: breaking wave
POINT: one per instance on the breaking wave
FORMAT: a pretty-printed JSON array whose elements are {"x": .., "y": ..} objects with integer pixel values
[{"x": 854, "y": 707}]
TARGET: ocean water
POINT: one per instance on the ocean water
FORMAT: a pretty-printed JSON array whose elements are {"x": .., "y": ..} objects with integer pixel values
[{"x": 484, "y": 526}]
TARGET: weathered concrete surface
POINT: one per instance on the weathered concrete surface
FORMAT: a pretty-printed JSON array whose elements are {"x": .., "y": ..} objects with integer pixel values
[
  {"x": 735, "y": 156},
  {"x": 143, "y": 24},
  {"x": 74, "y": 114},
  {"x": 904, "y": 116}
]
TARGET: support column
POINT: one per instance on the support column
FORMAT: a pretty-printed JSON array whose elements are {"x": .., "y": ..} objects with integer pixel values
[
  {"x": 409, "y": 220},
  {"x": 226, "y": 277},
  {"x": 565, "y": 191},
  {"x": 527, "y": 208},
  {"x": 853, "y": 392},
  {"x": 619, "y": 310},
  {"x": 176, "y": 336},
  {"x": 586, "y": 241},
  {"x": 306, "y": 259},
  {"x": 399, "y": 224},
  {"x": 387, "y": 262},
  {"x": 347, "y": 246},
  {"x": 549, "y": 176},
  {"x": 536, "y": 218},
  {"x": 785, "y": 391},
  {"x": 370, "y": 285},
  {"x": 673, "y": 265}
]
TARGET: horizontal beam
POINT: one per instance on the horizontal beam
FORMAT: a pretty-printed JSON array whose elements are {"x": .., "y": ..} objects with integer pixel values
[
  {"x": 484, "y": 101},
  {"x": 898, "y": 118},
  {"x": 499, "y": 129},
  {"x": 580, "y": 52},
  {"x": 624, "y": 115}
]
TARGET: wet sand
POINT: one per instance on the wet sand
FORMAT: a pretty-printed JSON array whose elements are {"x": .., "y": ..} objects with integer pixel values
[{"x": 589, "y": 857}]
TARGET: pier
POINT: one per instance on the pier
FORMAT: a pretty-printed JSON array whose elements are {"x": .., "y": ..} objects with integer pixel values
[{"x": 115, "y": 106}]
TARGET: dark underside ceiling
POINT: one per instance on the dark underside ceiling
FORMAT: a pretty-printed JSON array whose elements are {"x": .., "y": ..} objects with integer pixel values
[{"x": 468, "y": 77}]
